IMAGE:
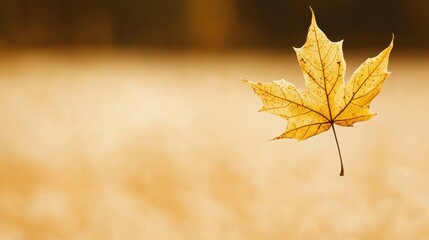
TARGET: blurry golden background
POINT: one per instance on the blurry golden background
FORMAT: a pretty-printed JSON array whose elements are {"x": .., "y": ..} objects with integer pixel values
[{"x": 128, "y": 120}]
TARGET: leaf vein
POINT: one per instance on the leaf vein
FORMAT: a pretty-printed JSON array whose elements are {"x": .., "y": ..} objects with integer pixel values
[
  {"x": 301, "y": 105},
  {"x": 352, "y": 98}
]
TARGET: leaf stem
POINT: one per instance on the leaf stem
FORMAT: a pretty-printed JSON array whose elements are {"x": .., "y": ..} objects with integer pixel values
[{"x": 339, "y": 151}]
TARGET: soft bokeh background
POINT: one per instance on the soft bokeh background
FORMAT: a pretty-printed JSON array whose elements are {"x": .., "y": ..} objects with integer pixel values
[{"x": 128, "y": 120}]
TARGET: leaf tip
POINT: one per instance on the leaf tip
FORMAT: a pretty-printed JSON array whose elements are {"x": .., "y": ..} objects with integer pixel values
[
  {"x": 313, "y": 16},
  {"x": 312, "y": 12},
  {"x": 277, "y": 138},
  {"x": 250, "y": 83}
]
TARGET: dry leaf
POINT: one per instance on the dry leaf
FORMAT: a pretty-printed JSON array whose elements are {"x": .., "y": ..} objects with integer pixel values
[{"x": 327, "y": 99}]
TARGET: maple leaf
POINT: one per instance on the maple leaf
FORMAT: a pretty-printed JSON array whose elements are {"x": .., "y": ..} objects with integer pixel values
[{"x": 327, "y": 100}]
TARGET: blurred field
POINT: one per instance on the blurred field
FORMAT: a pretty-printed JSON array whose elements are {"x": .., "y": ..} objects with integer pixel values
[{"x": 155, "y": 145}]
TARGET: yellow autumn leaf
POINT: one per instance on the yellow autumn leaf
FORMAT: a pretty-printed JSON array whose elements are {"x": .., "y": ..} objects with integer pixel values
[{"x": 327, "y": 100}]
